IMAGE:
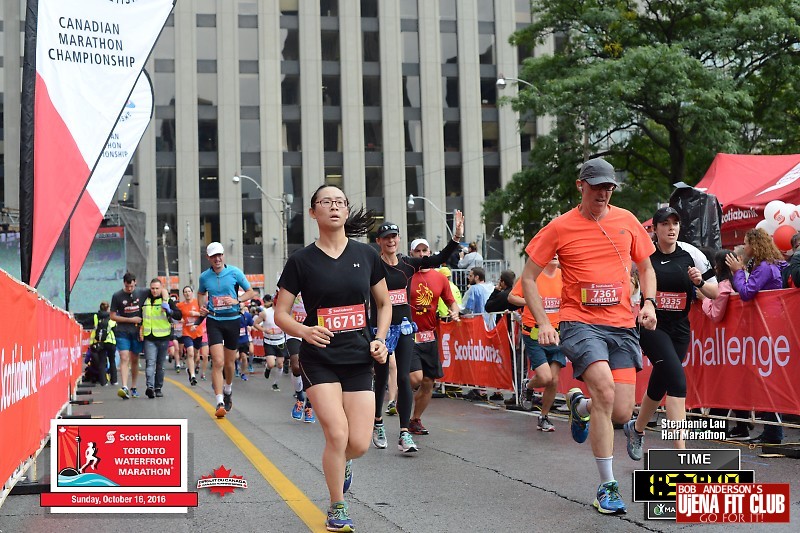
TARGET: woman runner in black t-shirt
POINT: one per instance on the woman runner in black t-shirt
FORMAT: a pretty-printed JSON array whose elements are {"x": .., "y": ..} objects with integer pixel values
[
  {"x": 399, "y": 271},
  {"x": 337, "y": 277},
  {"x": 681, "y": 269}
]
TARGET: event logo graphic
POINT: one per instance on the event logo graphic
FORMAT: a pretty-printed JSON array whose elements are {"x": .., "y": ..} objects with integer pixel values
[
  {"x": 77, "y": 462},
  {"x": 118, "y": 465},
  {"x": 222, "y": 481}
]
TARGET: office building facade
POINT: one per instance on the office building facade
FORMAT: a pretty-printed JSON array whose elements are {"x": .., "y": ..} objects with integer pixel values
[{"x": 383, "y": 98}]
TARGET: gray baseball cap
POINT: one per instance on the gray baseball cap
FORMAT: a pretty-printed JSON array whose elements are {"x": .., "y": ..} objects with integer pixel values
[{"x": 597, "y": 171}]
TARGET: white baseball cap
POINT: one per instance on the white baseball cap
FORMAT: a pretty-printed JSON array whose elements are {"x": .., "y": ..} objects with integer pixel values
[
  {"x": 214, "y": 248},
  {"x": 417, "y": 242}
]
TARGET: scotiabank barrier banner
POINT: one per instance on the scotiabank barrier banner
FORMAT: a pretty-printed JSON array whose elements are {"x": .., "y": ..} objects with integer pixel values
[
  {"x": 751, "y": 359},
  {"x": 473, "y": 356},
  {"x": 748, "y": 361},
  {"x": 39, "y": 352}
]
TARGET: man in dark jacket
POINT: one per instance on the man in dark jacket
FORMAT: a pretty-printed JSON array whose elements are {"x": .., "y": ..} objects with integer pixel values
[{"x": 792, "y": 272}]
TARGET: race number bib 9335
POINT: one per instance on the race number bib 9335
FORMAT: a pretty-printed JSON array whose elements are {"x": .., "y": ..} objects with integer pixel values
[
  {"x": 344, "y": 318},
  {"x": 670, "y": 301}
]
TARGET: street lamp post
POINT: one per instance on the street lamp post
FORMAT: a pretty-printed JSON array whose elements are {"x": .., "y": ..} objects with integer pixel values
[
  {"x": 166, "y": 259},
  {"x": 501, "y": 83},
  {"x": 286, "y": 203},
  {"x": 411, "y": 201}
]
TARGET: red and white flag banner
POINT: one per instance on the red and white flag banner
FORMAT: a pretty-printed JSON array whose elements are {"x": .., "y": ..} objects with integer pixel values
[
  {"x": 89, "y": 54},
  {"x": 105, "y": 179},
  {"x": 473, "y": 356}
]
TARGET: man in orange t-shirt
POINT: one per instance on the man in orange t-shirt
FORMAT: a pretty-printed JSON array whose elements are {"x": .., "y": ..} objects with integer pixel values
[
  {"x": 546, "y": 361},
  {"x": 192, "y": 337},
  {"x": 596, "y": 244}
]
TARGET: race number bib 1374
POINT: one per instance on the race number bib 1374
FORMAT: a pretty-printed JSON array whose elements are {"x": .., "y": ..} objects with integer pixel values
[
  {"x": 344, "y": 318},
  {"x": 220, "y": 303},
  {"x": 601, "y": 294},
  {"x": 670, "y": 301}
]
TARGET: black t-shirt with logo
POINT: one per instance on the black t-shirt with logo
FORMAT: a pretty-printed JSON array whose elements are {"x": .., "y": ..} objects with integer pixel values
[
  {"x": 674, "y": 289},
  {"x": 336, "y": 292},
  {"x": 128, "y": 305}
]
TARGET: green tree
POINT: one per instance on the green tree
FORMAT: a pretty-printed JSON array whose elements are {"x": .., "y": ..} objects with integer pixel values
[{"x": 658, "y": 88}]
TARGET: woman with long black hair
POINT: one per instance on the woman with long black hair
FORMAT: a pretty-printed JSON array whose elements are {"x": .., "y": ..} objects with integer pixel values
[{"x": 338, "y": 277}]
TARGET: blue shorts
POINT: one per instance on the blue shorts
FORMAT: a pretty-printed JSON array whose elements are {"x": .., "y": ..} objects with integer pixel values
[
  {"x": 129, "y": 342},
  {"x": 584, "y": 344},
  {"x": 539, "y": 355}
]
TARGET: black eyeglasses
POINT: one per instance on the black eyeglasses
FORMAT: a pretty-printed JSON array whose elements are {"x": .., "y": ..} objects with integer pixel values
[{"x": 341, "y": 203}]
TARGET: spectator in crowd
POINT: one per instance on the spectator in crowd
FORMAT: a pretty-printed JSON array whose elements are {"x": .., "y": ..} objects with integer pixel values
[
  {"x": 105, "y": 344},
  {"x": 498, "y": 303},
  {"x": 477, "y": 295},
  {"x": 791, "y": 274},
  {"x": 715, "y": 310},
  {"x": 764, "y": 267},
  {"x": 471, "y": 258},
  {"x": 444, "y": 312}
]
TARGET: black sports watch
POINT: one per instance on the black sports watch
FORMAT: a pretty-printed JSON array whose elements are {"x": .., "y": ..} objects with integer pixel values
[
  {"x": 702, "y": 282},
  {"x": 379, "y": 340},
  {"x": 652, "y": 300}
]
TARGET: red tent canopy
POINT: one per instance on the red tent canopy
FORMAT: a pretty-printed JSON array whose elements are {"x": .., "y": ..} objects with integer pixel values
[{"x": 744, "y": 184}]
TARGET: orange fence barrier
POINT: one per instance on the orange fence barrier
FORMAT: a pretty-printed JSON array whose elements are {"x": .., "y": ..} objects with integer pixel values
[
  {"x": 749, "y": 361},
  {"x": 40, "y": 364}
]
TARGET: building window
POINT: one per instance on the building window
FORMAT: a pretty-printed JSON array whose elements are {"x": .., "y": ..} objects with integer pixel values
[
  {"x": 369, "y": 8},
  {"x": 291, "y": 137},
  {"x": 408, "y": 9},
  {"x": 289, "y": 7},
  {"x": 209, "y": 183},
  {"x": 290, "y": 50},
  {"x": 486, "y": 49},
  {"x": 452, "y": 137},
  {"x": 372, "y": 91},
  {"x": 486, "y": 10},
  {"x": 207, "y": 135},
  {"x": 450, "y": 92},
  {"x": 371, "y": 46},
  {"x": 449, "y": 48},
  {"x": 413, "y": 136},
  {"x": 410, "y": 46},
  {"x": 411, "y": 92},
  {"x": 331, "y": 91},
  {"x": 250, "y": 135},
  {"x": 166, "y": 183},
  {"x": 373, "y": 137},
  {"x": 330, "y": 45},
  {"x": 332, "y": 136},
  {"x": 329, "y": 8},
  {"x": 447, "y": 9},
  {"x": 290, "y": 90}
]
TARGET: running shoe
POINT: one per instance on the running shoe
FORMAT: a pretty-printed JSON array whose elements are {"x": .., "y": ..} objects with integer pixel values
[
  {"x": 308, "y": 416},
  {"x": 250, "y": 369},
  {"x": 635, "y": 440},
  {"x": 608, "y": 500},
  {"x": 379, "y": 436},
  {"x": 134, "y": 392},
  {"x": 275, "y": 387},
  {"x": 193, "y": 381},
  {"x": 221, "y": 411},
  {"x": 297, "y": 410},
  {"x": 178, "y": 368},
  {"x": 202, "y": 377},
  {"x": 545, "y": 424},
  {"x": 578, "y": 424},
  {"x": 348, "y": 475},
  {"x": 526, "y": 392},
  {"x": 405, "y": 443},
  {"x": 227, "y": 398},
  {"x": 391, "y": 408},
  {"x": 415, "y": 426},
  {"x": 496, "y": 397},
  {"x": 150, "y": 393},
  {"x": 124, "y": 393},
  {"x": 267, "y": 372},
  {"x": 159, "y": 394},
  {"x": 339, "y": 518},
  {"x": 243, "y": 376}
]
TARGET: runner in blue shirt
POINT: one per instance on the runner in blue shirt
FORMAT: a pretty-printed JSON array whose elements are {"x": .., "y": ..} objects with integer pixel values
[{"x": 218, "y": 296}]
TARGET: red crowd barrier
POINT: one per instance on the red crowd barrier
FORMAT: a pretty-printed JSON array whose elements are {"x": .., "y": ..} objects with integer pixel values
[
  {"x": 471, "y": 355},
  {"x": 257, "y": 336},
  {"x": 40, "y": 363},
  {"x": 748, "y": 361}
]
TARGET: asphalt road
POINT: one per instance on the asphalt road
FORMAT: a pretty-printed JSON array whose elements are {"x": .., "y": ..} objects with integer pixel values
[{"x": 482, "y": 468}]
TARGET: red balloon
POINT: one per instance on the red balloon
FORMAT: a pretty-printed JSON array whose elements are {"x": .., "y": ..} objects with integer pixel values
[{"x": 783, "y": 237}]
